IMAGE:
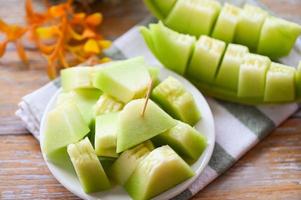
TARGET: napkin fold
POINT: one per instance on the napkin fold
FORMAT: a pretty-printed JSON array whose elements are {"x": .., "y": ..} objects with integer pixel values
[{"x": 238, "y": 127}]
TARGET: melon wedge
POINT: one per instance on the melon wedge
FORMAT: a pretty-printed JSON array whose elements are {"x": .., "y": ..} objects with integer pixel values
[
  {"x": 185, "y": 140},
  {"x": 124, "y": 80},
  {"x": 133, "y": 128},
  {"x": 127, "y": 162},
  {"x": 277, "y": 37},
  {"x": 160, "y": 8},
  {"x": 194, "y": 17},
  {"x": 179, "y": 103},
  {"x": 106, "y": 104},
  {"x": 64, "y": 125},
  {"x": 87, "y": 166},
  {"x": 161, "y": 170},
  {"x": 280, "y": 83},
  {"x": 205, "y": 60}
]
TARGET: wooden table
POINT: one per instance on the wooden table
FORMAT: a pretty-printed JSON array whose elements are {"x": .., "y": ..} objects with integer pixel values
[{"x": 271, "y": 170}]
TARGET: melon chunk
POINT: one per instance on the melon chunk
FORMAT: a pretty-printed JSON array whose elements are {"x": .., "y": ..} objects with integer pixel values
[
  {"x": 185, "y": 140},
  {"x": 179, "y": 103},
  {"x": 194, "y": 17},
  {"x": 298, "y": 80},
  {"x": 124, "y": 80},
  {"x": 277, "y": 37},
  {"x": 280, "y": 83},
  {"x": 87, "y": 166},
  {"x": 127, "y": 162},
  {"x": 249, "y": 26},
  {"x": 226, "y": 23},
  {"x": 160, "y": 8},
  {"x": 106, "y": 134},
  {"x": 64, "y": 125},
  {"x": 205, "y": 59},
  {"x": 228, "y": 73},
  {"x": 76, "y": 77},
  {"x": 154, "y": 74},
  {"x": 161, "y": 170},
  {"x": 252, "y": 76},
  {"x": 133, "y": 128},
  {"x": 168, "y": 45},
  {"x": 106, "y": 104}
]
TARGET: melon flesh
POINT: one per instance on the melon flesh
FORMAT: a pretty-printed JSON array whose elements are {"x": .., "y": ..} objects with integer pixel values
[
  {"x": 280, "y": 83},
  {"x": 127, "y": 162},
  {"x": 133, "y": 128},
  {"x": 228, "y": 73},
  {"x": 76, "y": 77},
  {"x": 194, "y": 17},
  {"x": 159, "y": 171},
  {"x": 87, "y": 166},
  {"x": 252, "y": 76},
  {"x": 154, "y": 74},
  {"x": 106, "y": 104},
  {"x": 205, "y": 59},
  {"x": 106, "y": 134},
  {"x": 124, "y": 80},
  {"x": 64, "y": 125},
  {"x": 179, "y": 103},
  {"x": 298, "y": 80},
  {"x": 277, "y": 37},
  {"x": 249, "y": 26},
  {"x": 185, "y": 140},
  {"x": 226, "y": 23},
  {"x": 160, "y": 8}
]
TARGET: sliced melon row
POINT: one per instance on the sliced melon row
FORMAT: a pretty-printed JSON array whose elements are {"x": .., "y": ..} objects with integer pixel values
[
  {"x": 226, "y": 71},
  {"x": 250, "y": 26}
]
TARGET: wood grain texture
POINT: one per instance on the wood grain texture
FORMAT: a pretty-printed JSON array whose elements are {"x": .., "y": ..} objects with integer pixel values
[{"x": 271, "y": 170}]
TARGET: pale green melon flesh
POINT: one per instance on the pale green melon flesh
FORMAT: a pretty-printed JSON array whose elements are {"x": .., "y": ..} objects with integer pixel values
[
  {"x": 64, "y": 125},
  {"x": 154, "y": 74},
  {"x": 124, "y": 80},
  {"x": 228, "y": 73},
  {"x": 179, "y": 103},
  {"x": 195, "y": 17},
  {"x": 161, "y": 170},
  {"x": 226, "y": 23},
  {"x": 205, "y": 59},
  {"x": 76, "y": 77},
  {"x": 106, "y": 104},
  {"x": 87, "y": 166},
  {"x": 249, "y": 26},
  {"x": 185, "y": 140},
  {"x": 160, "y": 8},
  {"x": 277, "y": 37},
  {"x": 127, "y": 162},
  {"x": 280, "y": 83},
  {"x": 106, "y": 134},
  {"x": 252, "y": 76},
  {"x": 133, "y": 128},
  {"x": 298, "y": 81},
  {"x": 168, "y": 45}
]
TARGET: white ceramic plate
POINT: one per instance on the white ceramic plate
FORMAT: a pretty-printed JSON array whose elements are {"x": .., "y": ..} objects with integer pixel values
[{"x": 65, "y": 174}]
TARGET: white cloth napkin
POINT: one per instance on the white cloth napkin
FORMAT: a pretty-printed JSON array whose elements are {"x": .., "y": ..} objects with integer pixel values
[{"x": 238, "y": 127}]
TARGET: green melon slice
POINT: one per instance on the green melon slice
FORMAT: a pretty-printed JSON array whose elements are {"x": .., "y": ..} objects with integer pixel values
[
  {"x": 226, "y": 23},
  {"x": 160, "y": 8},
  {"x": 106, "y": 134},
  {"x": 124, "y": 80},
  {"x": 277, "y": 37},
  {"x": 252, "y": 76},
  {"x": 194, "y": 17},
  {"x": 87, "y": 166},
  {"x": 161, "y": 170},
  {"x": 64, "y": 125},
  {"x": 127, "y": 162},
  {"x": 298, "y": 80},
  {"x": 205, "y": 60},
  {"x": 134, "y": 128},
  {"x": 84, "y": 99},
  {"x": 76, "y": 77},
  {"x": 168, "y": 45},
  {"x": 106, "y": 104},
  {"x": 249, "y": 26},
  {"x": 228, "y": 73},
  {"x": 154, "y": 74},
  {"x": 185, "y": 140},
  {"x": 179, "y": 103},
  {"x": 280, "y": 83}
]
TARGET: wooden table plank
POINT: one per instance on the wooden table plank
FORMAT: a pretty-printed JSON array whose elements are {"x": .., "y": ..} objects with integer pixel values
[{"x": 271, "y": 170}]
